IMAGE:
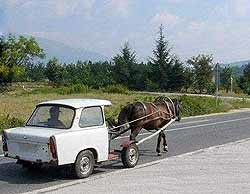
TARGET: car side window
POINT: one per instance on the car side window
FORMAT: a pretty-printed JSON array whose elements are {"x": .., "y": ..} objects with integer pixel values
[{"x": 91, "y": 116}]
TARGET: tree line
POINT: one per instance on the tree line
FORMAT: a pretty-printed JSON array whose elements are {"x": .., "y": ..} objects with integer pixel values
[{"x": 164, "y": 71}]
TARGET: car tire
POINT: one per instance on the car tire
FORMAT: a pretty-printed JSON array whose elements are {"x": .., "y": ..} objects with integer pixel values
[
  {"x": 130, "y": 156},
  {"x": 84, "y": 164}
]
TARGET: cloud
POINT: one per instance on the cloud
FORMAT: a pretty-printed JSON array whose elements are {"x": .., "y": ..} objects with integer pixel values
[
  {"x": 241, "y": 7},
  {"x": 233, "y": 9},
  {"x": 226, "y": 41},
  {"x": 117, "y": 7},
  {"x": 174, "y": 1},
  {"x": 76, "y": 7},
  {"x": 60, "y": 8},
  {"x": 15, "y": 3},
  {"x": 165, "y": 19}
]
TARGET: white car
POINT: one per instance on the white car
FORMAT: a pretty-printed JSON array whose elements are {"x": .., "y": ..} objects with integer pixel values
[{"x": 60, "y": 132}]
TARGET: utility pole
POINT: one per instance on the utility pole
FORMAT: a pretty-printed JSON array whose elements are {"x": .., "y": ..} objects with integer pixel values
[{"x": 217, "y": 83}]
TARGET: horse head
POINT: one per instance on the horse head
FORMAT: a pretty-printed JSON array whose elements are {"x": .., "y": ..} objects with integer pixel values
[
  {"x": 111, "y": 123},
  {"x": 178, "y": 109},
  {"x": 125, "y": 115}
]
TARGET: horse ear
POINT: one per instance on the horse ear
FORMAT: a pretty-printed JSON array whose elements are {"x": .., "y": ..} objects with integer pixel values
[{"x": 175, "y": 100}]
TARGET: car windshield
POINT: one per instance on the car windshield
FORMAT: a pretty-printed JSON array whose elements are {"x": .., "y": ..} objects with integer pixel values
[{"x": 53, "y": 116}]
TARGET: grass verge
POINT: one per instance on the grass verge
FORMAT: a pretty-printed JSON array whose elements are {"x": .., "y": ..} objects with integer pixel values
[{"x": 16, "y": 107}]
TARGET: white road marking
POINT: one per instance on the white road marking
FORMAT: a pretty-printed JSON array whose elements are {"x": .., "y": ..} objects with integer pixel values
[
  {"x": 209, "y": 124},
  {"x": 199, "y": 121},
  {"x": 104, "y": 175},
  {"x": 234, "y": 111},
  {"x": 1, "y": 155},
  {"x": 195, "y": 126},
  {"x": 146, "y": 133}
]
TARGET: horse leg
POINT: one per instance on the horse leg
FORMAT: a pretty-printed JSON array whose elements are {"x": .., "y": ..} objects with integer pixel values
[
  {"x": 159, "y": 144},
  {"x": 134, "y": 133},
  {"x": 165, "y": 145}
]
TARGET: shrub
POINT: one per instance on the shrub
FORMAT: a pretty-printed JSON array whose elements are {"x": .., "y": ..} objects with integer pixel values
[
  {"x": 9, "y": 122},
  {"x": 117, "y": 89},
  {"x": 74, "y": 89},
  {"x": 211, "y": 88},
  {"x": 200, "y": 105},
  {"x": 152, "y": 86}
]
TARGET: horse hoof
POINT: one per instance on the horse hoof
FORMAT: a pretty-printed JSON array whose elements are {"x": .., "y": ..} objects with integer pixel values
[
  {"x": 165, "y": 149},
  {"x": 158, "y": 154}
]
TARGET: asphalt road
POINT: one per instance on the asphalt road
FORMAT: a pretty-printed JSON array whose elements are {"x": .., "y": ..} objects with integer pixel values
[{"x": 186, "y": 136}]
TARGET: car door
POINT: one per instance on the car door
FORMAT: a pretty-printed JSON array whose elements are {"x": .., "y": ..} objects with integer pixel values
[{"x": 92, "y": 121}]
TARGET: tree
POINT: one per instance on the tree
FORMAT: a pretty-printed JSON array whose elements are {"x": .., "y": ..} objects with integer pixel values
[
  {"x": 101, "y": 74},
  {"x": 246, "y": 72},
  {"x": 226, "y": 76},
  {"x": 139, "y": 76},
  {"x": 2, "y": 45},
  {"x": 123, "y": 65},
  {"x": 176, "y": 76},
  {"x": 54, "y": 72},
  {"x": 244, "y": 82},
  {"x": 16, "y": 52},
  {"x": 203, "y": 73},
  {"x": 36, "y": 72},
  {"x": 188, "y": 78},
  {"x": 4, "y": 70},
  {"x": 161, "y": 62}
]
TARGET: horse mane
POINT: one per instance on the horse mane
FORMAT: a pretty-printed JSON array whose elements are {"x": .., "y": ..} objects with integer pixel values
[
  {"x": 172, "y": 102},
  {"x": 125, "y": 114}
]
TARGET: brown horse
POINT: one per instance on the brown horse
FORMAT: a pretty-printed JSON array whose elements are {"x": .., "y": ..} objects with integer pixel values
[{"x": 155, "y": 116}]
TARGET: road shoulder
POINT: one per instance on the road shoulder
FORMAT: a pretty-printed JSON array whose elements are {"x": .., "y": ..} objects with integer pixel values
[{"x": 219, "y": 169}]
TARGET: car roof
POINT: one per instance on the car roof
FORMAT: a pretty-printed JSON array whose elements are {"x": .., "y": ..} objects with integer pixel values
[{"x": 78, "y": 103}]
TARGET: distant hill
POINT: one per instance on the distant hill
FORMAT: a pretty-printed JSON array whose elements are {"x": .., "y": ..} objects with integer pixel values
[
  {"x": 67, "y": 54},
  {"x": 238, "y": 63},
  {"x": 238, "y": 67}
]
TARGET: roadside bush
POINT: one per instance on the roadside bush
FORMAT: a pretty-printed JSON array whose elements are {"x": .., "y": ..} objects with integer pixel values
[
  {"x": 63, "y": 90},
  {"x": 152, "y": 86},
  {"x": 74, "y": 89},
  {"x": 211, "y": 88},
  {"x": 9, "y": 122},
  {"x": 200, "y": 105},
  {"x": 116, "y": 89}
]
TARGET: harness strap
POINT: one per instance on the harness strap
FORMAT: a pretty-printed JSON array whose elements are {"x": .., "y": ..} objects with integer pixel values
[
  {"x": 148, "y": 115},
  {"x": 135, "y": 120},
  {"x": 144, "y": 108},
  {"x": 157, "y": 108},
  {"x": 156, "y": 118},
  {"x": 170, "y": 111},
  {"x": 172, "y": 105}
]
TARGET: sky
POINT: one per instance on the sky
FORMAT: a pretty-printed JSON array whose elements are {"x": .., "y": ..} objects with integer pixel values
[{"x": 192, "y": 27}]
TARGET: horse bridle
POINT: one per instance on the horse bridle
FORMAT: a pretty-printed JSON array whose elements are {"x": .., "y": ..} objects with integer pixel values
[{"x": 174, "y": 108}]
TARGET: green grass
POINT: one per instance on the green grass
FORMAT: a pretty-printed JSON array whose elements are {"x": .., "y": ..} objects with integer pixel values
[{"x": 16, "y": 106}]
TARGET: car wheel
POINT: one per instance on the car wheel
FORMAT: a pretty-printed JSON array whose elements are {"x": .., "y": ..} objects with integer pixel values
[
  {"x": 130, "y": 156},
  {"x": 84, "y": 164}
]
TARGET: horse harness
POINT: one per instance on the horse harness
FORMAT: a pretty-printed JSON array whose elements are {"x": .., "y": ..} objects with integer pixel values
[
  {"x": 150, "y": 114},
  {"x": 171, "y": 114}
]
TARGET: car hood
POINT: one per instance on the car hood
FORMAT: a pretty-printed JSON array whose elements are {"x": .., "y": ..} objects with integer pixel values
[{"x": 32, "y": 134}]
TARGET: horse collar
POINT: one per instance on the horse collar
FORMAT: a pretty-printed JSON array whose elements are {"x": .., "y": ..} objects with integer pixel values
[{"x": 144, "y": 107}]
